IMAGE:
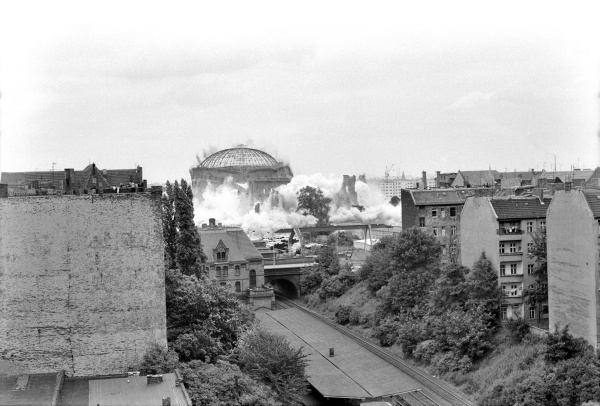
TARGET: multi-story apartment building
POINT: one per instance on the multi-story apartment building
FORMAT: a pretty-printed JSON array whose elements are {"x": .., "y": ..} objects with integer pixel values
[
  {"x": 574, "y": 262},
  {"x": 503, "y": 228},
  {"x": 438, "y": 212}
]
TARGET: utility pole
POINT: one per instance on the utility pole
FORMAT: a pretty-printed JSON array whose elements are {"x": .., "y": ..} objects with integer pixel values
[{"x": 53, "y": 163}]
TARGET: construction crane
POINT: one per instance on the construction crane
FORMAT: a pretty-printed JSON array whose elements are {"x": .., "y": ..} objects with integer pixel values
[{"x": 387, "y": 171}]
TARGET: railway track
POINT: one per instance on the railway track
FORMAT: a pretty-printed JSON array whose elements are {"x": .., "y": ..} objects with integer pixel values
[{"x": 413, "y": 398}]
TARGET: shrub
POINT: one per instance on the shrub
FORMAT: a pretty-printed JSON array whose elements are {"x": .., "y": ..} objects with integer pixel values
[
  {"x": 562, "y": 345},
  {"x": 355, "y": 317},
  {"x": 158, "y": 360},
  {"x": 517, "y": 329},
  {"x": 425, "y": 351},
  {"x": 342, "y": 315},
  {"x": 387, "y": 333}
]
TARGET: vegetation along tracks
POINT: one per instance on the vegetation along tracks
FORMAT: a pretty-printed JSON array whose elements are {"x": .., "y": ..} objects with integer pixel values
[{"x": 438, "y": 388}]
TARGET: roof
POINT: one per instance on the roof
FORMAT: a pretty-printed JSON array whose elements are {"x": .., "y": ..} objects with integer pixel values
[
  {"x": 566, "y": 176},
  {"x": 35, "y": 389},
  {"x": 240, "y": 247},
  {"x": 445, "y": 196},
  {"x": 487, "y": 176},
  {"x": 520, "y": 208},
  {"x": 107, "y": 177},
  {"x": 592, "y": 196},
  {"x": 239, "y": 156}
]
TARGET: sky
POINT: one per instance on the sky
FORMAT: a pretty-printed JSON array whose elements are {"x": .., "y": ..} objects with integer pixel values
[{"x": 328, "y": 87}]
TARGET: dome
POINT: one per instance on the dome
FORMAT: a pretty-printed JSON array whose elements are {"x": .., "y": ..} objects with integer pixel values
[{"x": 238, "y": 156}]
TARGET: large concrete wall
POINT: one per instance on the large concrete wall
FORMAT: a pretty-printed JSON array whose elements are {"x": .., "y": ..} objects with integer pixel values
[
  {"x": 81, "y": 281},
  {"x": 478, "y": 231},
  {"x": 572, "y": 242}
]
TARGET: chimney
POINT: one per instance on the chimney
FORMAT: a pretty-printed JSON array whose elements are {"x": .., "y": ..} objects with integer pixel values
[
  {"x": 211, "y": 222},
  {"x": 437, "y": 179},
  {"x": 424, "y": 181},
  {"x": 69, "y": 180}
]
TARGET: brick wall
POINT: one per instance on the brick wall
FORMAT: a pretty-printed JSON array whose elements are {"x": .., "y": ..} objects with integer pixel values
[{"x": 81, "y": 281}]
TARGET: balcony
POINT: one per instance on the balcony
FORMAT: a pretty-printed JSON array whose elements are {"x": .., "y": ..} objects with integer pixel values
[
  {"x": 509, "y": 231},
  {"x": 517, "y": 278}
]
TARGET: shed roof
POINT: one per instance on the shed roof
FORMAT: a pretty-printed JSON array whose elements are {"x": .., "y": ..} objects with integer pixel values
[{"x": 520, "y": 208}]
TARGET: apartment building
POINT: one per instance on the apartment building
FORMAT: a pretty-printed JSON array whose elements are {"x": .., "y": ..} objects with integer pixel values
[
  {"x": 574, "y": 262},
  {"x": 438, "y": 212},
  {"x": 503, "y": 228}
]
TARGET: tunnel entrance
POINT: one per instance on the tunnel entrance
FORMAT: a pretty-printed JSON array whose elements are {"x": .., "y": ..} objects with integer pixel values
[{"x": 285, "y": 287}]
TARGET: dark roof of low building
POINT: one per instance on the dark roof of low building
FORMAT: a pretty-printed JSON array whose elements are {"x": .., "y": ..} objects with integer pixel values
[
  {"x": 567, "y": 176},
  {"x": 445, "y": 196},
  {"x": 240, "y": 247},
  {"x": 592, "y": 196},
  {"x": 28, "y": 389},
  {"x": 107, "y": 177},
  {"x": 520, "y": 208}
]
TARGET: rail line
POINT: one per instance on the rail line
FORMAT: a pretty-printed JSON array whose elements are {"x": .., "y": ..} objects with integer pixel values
[{"x": 414, "y": 398}]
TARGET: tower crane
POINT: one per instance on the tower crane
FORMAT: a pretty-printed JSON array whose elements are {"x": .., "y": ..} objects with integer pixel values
[{"x": 387, "y": 171}]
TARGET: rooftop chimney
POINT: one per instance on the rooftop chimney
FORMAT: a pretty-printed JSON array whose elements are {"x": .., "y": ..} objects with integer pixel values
[
  {"x": 424, "y": 181},
  {"x": 437, "y": 179}
]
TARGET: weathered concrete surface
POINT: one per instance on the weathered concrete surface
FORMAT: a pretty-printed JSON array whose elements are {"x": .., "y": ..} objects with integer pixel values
[
  {"x": 573, "y": 282},
  {"x": 81, "y": 281},
  {"x": 352, "y": 372}
]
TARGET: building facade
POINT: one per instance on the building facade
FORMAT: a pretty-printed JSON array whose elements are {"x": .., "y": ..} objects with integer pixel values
[
  {"x": 438, "y": 212},
  {"x": 82, "y": 284},
  {"x": 503, "y": 228},
  {"x": 574, "y": 262},
  {"x": 252, "y": 172},
  {"x": 234, "y": 261}
]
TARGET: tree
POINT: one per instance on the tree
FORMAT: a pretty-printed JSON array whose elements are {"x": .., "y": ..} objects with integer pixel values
[
  {"x": 269, "y": 358},
  {"x": 169, "y": 227},
  {"x": 416, "y": 249},
  {"x": 450, "y": 290},
  {"x": 158, "y": 360},
  {"x": 204, "y": 320},
  {"x": 312, "y": 201},
  {"x": 561, "y": 345},
  {"x": 189, "y": 249},
  {"x": 395, "y": 201},
  {"x": 224, "y": 384},
  {"x": 537, "y": 294},
  {"x": 484, "y": 292}
]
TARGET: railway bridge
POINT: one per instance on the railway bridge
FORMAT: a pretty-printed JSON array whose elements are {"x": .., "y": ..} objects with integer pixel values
[{"x": 286, "y": 274}]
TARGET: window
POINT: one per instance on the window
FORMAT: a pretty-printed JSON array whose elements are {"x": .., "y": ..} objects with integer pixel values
[
  {"x": 513, "y": 247},
  {"x": 435, "y": 231},
  {"x": 452, "y": 230},
  {"x": 529, "y": 269},
  {"x": 218, "y": 271},
  {"x": 542, "y": 224},
  {"x": 443, "y": 231},
  {"x": 434, "y": 213},
  {"x": 532, "y": 312},
  {"x": 514, "y": 290},
  {"x": 502, "y": 270},
  {"x": 238, "y": 287},
  {"x": 452, "y": 211},
  {"x": 502, "y": 248},
  {"x": 443, "y": 212},
  {"x": 529, "y": 246},
  {"x": 237, "y": 270},
  {"x": 503, "y": 312},
  {"x": 530, "y": 226},
  {"x": 513, "y": 269},
  {"x": 252, "y": 279},
  {"x": 224, "y": 272},
  {"x": 218, "y": 255},
  {"x": 421, "y": 221}
]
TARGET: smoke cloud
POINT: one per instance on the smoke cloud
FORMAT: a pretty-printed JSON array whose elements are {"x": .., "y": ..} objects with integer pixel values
[{"x": 228, "y": 206}]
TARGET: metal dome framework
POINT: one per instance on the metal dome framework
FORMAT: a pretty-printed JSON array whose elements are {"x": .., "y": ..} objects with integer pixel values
[{"x": 239, "y": 156}]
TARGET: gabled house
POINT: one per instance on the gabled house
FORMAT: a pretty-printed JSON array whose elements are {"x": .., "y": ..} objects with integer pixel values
[{"x": 234, "y": 261}]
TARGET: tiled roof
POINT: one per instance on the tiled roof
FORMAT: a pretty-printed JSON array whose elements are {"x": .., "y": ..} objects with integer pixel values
[
  {"x": 446, "y": 196},
  {"x": 569, "y": 175},
  {"x": 519, "y": 208},
  {"x": 240, "y": 246},
  {"x": 593, "y": 198}
]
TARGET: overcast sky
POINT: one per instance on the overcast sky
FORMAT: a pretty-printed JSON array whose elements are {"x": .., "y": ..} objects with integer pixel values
[{"x": 338, "y": 87}]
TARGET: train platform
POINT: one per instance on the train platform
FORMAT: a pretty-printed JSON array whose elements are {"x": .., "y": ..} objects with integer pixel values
[{"x": 353, "y": 371}]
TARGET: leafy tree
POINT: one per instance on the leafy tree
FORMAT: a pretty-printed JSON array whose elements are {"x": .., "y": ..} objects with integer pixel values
[
  {"x": 450, "y": 290},
  {"x": 169, "y": 227},
  {"x": 537, "y": 293},
  {"x": 188, "y": 247},
  {"x": 312, "y": 201},
  {"x": 561, "y": 345},
  {"x": 395, "y": 201},
  {"x": 415, "y": 249},
  {"x": 203, "y": 318},
  {"x": 484, "y": 291},
  {"x": 379, "y": 267},
  {"x": 270, "y": 359},
  {"x": 158, "y": 360},
  {"x": 224, "y": 384},
  {"x": 312, "y": 279},
  {"x": 328, "y": 260}
]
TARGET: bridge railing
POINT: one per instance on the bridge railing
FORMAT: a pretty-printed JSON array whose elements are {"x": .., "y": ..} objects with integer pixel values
[{"x": 295, "y": 260}]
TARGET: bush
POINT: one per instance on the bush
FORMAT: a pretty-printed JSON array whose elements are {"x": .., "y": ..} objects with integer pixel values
[
  {"x": 425, "y": 351},
  {"x": 517, "y": 329},
  {"x": 355, "y": 317},
  {"x": 158, "y": 360},
  {"x": 562, "y": 345},
  {"x": 387, "y": 333},
  {"x": 342, "y": 315}
]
